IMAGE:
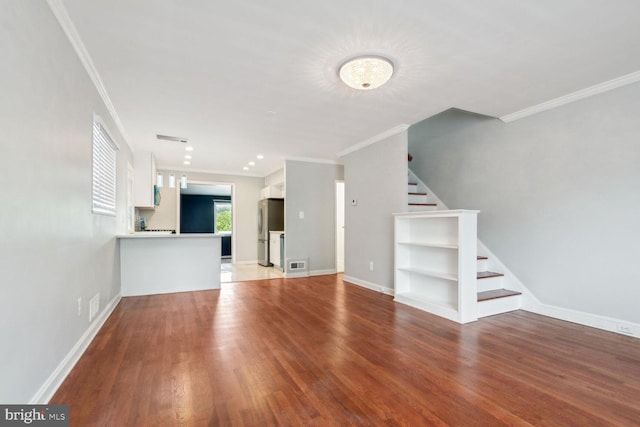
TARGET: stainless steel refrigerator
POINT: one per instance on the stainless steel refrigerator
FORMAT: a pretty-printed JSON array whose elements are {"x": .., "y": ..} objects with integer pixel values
[{"x": 270, "y": 218}]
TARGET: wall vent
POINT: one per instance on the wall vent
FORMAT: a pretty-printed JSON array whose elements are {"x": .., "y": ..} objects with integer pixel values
[
  {"x": 299, "y": 265},
  {"x": 172, "y": 138}
]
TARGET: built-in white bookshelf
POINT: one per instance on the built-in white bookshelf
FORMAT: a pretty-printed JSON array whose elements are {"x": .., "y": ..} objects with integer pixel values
[{"x": 435, "y": 262}]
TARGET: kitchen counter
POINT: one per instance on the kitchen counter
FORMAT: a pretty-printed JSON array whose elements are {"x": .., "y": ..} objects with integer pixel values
[
  {"x": 156, "y": 234},
  {"x": 161, "y": 262}
]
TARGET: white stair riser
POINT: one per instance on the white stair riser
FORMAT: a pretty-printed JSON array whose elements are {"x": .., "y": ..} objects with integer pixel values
[
  {"x": 499, "y": 305},
  {"x": 483, "y": 265},
  {"x": 414, "y": 198},
  {"x": 422, "y": 208},
  {"x": 490, "y": 283},
  {"x": 412, "y": 188}
]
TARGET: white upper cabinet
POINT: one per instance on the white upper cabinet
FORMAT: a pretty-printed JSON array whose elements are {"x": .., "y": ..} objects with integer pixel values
[{"x": 145, "y": 179}]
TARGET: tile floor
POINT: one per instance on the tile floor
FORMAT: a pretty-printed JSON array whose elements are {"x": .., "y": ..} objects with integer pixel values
[{"x": 242, "y": 272}]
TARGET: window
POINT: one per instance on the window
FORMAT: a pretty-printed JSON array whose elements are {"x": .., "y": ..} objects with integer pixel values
[
  {"x": 222, "y": 216},
  {"x": 104, "y": 170}
]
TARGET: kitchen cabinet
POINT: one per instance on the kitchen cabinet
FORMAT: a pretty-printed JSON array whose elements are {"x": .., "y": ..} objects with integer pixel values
[
  {"x": 274, "y": 248},
  {"x": 145, "y": 175},
  {"x": 272, "y": 192}
]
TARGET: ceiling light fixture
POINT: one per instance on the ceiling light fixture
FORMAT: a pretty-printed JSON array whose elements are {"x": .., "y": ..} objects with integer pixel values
[
  {"x": 187, "y": 162},
  {"x": 252, "y": 163},
  {"x": 245, "y": 168},
  {"x": 189, "y": 148},
  {"x": 187, "y": 156},
  {"x": 260, "y": 156},
  {"x": 366, "y": 72}
]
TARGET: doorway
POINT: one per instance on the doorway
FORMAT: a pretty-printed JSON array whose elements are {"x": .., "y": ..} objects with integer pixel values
[
  {"x": 340, "y": 226},
  {"x": 207, "y": 207}
]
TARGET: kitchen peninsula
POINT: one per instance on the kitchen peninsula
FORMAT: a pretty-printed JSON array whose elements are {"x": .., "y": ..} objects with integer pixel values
[{"x": 160, "y": 263}]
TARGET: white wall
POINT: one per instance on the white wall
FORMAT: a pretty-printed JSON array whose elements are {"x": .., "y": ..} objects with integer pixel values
[
  {"x": 559, "y": 195},
  {"x": 375, "y": 176},
  {"x": 164, "y": 216},
  {"x": 245, "y": 206},
  {"x": 53, "y": 248},
  {"x": 311, "y": 189}
]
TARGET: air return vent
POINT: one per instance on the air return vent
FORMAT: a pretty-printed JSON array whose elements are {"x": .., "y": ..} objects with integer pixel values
[
  {"x": 298, "y": 265},
  {"x": 172, "y": 138}
]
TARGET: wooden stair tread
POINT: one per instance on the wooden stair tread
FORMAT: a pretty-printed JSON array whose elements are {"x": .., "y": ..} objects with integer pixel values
[
  {"x": 423, "y": 204},
  {"x": 413, "y": 183},
  {"x": 417, "y": 194},
  {"x": 482, "y": 257},
  {"x": 496, "y": 293},
  {"x": 488, "y": 274}
]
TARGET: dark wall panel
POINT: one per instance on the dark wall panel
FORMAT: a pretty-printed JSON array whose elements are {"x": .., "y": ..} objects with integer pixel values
[{"x": 197, "y": 216}]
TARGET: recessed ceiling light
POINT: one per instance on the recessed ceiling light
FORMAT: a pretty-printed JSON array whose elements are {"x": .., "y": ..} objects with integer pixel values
[
  {"x": 187, "y": 162},
  {"x": 187, "y": 156},
  {"x": 260, "y": 156},
  {"x": 252, "y": 163},
  {"x": 246, "y": 168},
  {"x": 189, "y": 148},
  {"x": 366, "y": 72}
]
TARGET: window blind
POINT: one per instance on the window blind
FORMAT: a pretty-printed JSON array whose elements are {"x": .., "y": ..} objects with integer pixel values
[{"x": 104, "y": 171}]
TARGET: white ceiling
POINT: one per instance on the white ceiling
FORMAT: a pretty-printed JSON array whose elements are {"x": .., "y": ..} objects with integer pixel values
[{"x": 260, "y": 77}]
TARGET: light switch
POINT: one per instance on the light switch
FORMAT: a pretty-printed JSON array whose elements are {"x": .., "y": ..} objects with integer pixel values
[{"x": 301, "y": 214}]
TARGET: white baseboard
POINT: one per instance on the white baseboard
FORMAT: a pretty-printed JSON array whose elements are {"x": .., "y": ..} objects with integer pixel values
[
  {"x": 368, "y": 285},
  {"x": 50, "y": 386},
  {"x": 294, "y": 275},
  {"x": 322, "y": 272},
  {"x": 610, "y": 324},
  {"x": 245, "y": 262}
]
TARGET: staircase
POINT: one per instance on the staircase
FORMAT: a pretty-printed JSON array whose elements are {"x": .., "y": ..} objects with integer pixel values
[
  {"x": 419, "y": 199},
  {"x": 493, "y": 298}
]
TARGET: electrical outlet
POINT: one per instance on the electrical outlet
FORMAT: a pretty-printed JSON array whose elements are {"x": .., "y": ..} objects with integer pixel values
[
  {"x": 79, "y": 306},
  {"x": 371, "y": 265},
  {"x": 624, "y": 329},
  {"x": 301, "y": 215}
]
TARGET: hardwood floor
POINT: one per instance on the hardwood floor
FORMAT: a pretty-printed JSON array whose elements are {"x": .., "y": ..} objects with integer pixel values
[{"x": 318, "y": 351}]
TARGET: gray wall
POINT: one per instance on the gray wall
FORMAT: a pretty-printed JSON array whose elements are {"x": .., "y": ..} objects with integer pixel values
[
  {"x": 377, "y": 177},
  {"x": 311, "y": 189},
  {"x": 559, "y": 195},
  {"x": 53, "y": 248},
  {"x": 245, "y": 206}
]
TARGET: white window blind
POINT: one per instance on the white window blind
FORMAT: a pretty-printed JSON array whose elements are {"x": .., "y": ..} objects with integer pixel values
[{"x": 104, "y": 171}]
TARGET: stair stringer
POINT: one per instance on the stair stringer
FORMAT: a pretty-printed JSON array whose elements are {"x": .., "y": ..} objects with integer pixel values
[
  {"x": 510, "y": 280},
  {"x": 422, "y": 187}
]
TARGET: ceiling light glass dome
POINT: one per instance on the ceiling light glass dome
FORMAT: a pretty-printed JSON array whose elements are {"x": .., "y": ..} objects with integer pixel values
[{"x": 366, "y": 72}]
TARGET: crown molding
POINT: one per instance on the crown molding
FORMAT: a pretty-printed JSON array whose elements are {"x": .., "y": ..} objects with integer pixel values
[
  {"x": 60, "y": 12},
  {"x": 210, "y": 172},
  {"x": 312, "y": 160},
  {"x": 575, "y": 96},
  {"x": 379, "y": 137}
]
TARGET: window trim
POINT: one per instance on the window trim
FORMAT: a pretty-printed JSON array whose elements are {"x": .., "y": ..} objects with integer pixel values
[
  {"x": 215, "y": 216},
  {"x": 104, "y": 169}
]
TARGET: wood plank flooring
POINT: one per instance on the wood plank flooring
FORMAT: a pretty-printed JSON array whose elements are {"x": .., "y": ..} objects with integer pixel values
[{"x": 319, "y": 351}]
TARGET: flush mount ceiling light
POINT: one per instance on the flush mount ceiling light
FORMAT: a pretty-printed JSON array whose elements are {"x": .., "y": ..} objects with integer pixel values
[{"x": 366, "y": 72}]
